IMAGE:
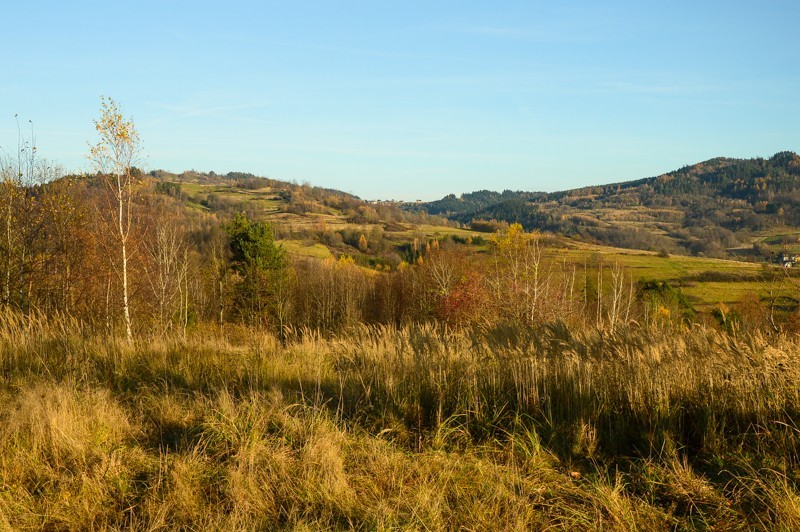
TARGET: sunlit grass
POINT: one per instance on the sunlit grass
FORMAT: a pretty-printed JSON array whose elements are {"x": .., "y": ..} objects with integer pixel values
[
  {"x": 382, "y": 428},
  {"x": 300, "y": 248}
]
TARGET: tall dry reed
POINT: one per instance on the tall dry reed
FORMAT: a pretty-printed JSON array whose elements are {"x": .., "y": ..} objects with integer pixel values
[{"x": 421, "y": 427}]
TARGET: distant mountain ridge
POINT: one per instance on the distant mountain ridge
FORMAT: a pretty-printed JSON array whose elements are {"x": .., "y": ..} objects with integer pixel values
[{"x": 704, "y": 208}]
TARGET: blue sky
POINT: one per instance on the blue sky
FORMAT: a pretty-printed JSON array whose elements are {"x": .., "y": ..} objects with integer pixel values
[{"x": 410, "y": 99}]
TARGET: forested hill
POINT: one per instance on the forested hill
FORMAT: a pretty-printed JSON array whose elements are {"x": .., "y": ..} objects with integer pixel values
[
  {"x": 712, "y": 208},
  {"x": 749, "y": 179},
  {"x": 477, "y": 201}
]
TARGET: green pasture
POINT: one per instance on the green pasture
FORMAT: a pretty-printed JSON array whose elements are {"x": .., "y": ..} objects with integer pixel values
[
  {"x": 703, "y": 280},
  {"x": 305, "y": 249}
]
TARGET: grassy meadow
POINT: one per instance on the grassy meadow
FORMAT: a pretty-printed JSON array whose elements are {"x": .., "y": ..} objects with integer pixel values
[
  {"x": 706, "y": 282},
  {"x": 384, "y": 428}
]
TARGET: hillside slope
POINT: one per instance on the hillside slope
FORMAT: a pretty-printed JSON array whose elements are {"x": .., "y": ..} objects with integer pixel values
[{"x": 714, "y": 208}]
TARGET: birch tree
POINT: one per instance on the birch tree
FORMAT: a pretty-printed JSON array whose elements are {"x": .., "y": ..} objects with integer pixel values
[
  {"x": 114, "y": 157},
  {"x": 521, "y": 280},
  {"x": 168, "y": 255}
]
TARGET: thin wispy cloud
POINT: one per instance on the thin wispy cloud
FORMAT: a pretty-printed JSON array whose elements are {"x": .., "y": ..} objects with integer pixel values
[
  {"x": 664, "y": 89},
  {"x": 266, "y": 44},
  {"x": 212, "y": 110},
  {"x": 562, "y": 33},
  {"x": 497, "y": 31},
  {"x": 371, "y": 52}
]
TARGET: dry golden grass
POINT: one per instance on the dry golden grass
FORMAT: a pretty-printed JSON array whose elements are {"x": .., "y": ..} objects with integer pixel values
[{"x": 421, "y": 428}]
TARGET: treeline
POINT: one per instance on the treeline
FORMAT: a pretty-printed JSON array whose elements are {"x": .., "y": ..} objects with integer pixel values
[{"x": 187, "y": 268}]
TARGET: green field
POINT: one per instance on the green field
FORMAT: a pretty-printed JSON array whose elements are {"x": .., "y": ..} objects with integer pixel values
[
  {"x": 706, "y": 281},
  {"x": 304, "y": 249}
]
